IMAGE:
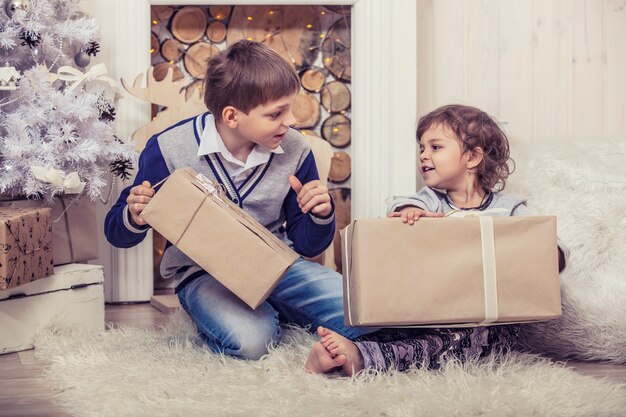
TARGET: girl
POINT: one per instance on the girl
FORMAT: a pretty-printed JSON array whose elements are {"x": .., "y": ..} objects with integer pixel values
[{"x": 464, "y": 159}]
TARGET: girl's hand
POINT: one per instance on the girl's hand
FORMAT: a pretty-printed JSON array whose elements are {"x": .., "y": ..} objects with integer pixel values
[
  {"x": 139, "y": 196},
  {"x": 312, "y": 196},
  {"x": 412, "y": 214}
]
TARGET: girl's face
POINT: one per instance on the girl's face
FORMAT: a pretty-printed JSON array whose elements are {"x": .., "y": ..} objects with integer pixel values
[{"x": 443, "y": 164}]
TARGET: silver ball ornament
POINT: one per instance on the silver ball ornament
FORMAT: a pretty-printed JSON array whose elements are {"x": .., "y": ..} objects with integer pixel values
[
  {"x": 82, "y": 59},
  {"x": 10, "y": 6}
]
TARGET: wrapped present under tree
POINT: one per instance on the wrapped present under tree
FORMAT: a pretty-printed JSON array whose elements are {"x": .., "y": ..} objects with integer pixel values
[{"x": 25, "y": 245}]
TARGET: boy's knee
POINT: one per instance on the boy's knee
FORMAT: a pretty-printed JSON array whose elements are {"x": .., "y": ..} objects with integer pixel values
[
  {"x": 253, "y": 345},
  {"x": 252, "y": 351}
]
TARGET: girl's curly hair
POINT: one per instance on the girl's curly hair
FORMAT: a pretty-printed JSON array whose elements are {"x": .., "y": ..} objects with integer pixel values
[{"x": 475, "y": 128}]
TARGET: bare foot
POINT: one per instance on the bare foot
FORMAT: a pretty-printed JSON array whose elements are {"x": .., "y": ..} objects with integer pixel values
[
  {"x": 339, "y": 346},
  {"x": 320, "y": 361}
]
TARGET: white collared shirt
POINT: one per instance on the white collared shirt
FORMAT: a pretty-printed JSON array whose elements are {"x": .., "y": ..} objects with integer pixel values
[{"x": 211, "y": 142}]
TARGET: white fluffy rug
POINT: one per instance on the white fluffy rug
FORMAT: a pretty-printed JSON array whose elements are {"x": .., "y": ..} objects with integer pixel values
[
  {"x": 166, "y": 372},
  {"x": 584, "y": 184}
]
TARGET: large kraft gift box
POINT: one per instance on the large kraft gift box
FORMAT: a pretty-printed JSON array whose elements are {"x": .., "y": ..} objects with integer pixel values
[
  {"x": 74, "y": 229},
  {"x": 25, "y": 245},
  {"x": 191, "y": 213},
  {"x": 450, "y": 272}
]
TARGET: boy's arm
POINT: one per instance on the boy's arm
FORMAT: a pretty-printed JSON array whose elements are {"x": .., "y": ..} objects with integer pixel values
[
  {"x": 309, "y": 233},
  {"x": 119, "y": 228}
]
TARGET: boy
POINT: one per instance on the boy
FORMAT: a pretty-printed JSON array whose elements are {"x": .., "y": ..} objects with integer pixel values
[{"x": 245, "y": 143}]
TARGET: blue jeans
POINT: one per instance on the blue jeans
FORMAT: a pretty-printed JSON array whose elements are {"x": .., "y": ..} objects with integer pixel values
[{"x": 308, "y": 295}]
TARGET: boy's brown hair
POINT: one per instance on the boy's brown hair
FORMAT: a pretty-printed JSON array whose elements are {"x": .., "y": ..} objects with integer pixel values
[
  {"x": 245, "y": 75},
  {"x": 475, "y": 128}
]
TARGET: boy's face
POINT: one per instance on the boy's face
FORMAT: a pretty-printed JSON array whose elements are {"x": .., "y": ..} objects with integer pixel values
[
  {"x": 267, "y": 123},
  {"x": 443, "y": 164}
]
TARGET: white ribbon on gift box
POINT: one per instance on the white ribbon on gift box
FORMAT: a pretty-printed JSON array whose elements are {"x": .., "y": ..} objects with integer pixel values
[
  {"x": 70, "y": 183},
  {"x": 475, "y": 213},
  {"x": 489, "y": 269},
  {"x": 214, "y": 188},
  {"x": 490, "y": 281},
  {"x": 207, "y": 184}
]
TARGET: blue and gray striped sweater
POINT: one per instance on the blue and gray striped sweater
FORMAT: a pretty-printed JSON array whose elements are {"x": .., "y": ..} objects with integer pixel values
[{"x": 265, "y": 194}]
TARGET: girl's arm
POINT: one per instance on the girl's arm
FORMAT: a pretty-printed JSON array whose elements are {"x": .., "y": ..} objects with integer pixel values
[
  {"x": 425, "y": 199},
  {"x": 563, "y": 253}
]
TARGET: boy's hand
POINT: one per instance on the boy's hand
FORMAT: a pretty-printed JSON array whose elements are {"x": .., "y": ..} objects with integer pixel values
[
  {"x": 139, "y": 196},
  {"x": 412, "y": 214},
  {"x": 312, "y": 196}
]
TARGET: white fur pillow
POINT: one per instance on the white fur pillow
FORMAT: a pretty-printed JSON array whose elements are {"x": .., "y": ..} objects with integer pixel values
[{"x": 583, "y": 183}]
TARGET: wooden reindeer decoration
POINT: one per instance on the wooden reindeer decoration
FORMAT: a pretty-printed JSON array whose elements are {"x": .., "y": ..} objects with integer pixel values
[{"x": 181, "y": 104}]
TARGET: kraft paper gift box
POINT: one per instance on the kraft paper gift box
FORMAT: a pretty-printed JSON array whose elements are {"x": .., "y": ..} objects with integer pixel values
[
  {"x": 450, "y": 272},
  {"x": 192, "y": 214},
  {"x": 25, "y": 245},
  {"x": 74, "y": 228},
  {"x": 73, "y": 297}
]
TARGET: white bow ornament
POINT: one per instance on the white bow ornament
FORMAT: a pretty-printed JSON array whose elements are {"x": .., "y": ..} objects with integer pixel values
[
  {"x": 74, "y": 76},
  {"x": 70, "y": 183}
]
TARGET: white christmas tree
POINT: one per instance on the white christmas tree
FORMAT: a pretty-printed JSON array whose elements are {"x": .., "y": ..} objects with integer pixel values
[{"x": 57, "y": 126}]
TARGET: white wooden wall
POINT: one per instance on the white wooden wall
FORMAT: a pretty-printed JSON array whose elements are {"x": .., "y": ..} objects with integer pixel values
[{"x": 548, "y": 70}]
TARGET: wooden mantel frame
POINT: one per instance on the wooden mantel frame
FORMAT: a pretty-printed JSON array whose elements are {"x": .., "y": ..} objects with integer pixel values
[{"x": 384, "y": 96}]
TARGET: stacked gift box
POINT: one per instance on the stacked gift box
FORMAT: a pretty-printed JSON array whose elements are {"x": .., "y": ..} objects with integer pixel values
[
  {"x": 36, "y": 291},
  {"x": 25, "y": 245},
  {"x": 73, "y": 220}
]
